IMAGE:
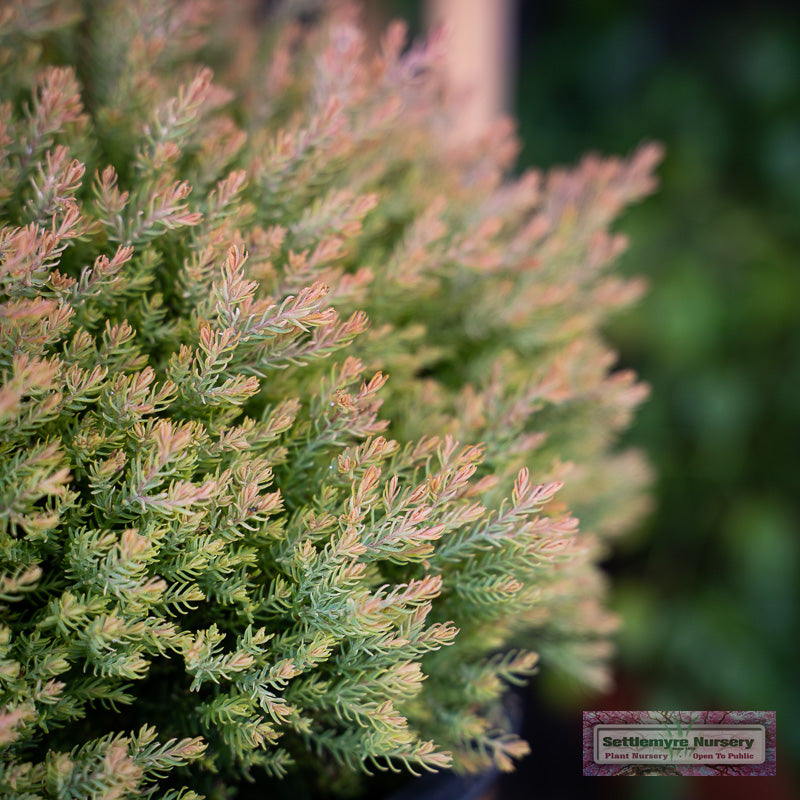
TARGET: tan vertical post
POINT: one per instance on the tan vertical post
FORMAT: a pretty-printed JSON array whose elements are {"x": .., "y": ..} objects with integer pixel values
[{"x": 480, "y": 55}]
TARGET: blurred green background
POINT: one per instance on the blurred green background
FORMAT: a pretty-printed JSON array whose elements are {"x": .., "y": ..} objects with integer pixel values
[{"x": 708, "y": 587}]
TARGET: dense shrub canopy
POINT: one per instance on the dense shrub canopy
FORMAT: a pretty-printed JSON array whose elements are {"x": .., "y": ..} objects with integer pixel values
[{"x": 226, "y": 538}]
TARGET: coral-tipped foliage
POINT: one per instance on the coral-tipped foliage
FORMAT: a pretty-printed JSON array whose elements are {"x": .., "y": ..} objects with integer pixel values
[{"x": 226, "y": 538}]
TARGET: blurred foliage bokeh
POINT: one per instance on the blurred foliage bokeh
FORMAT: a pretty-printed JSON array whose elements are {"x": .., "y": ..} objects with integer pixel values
[{"x": 708, "y": 589}]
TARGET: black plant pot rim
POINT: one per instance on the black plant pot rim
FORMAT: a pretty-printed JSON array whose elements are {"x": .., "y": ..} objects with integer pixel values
[{"x": 447, "y": 786}]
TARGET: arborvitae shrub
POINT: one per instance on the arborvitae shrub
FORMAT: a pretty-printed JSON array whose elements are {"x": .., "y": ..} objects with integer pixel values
[{"x": 217, "y": 547}]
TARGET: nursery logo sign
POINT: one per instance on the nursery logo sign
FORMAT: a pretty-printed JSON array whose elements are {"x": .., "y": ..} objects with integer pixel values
[{"x": 678, "y": 743}]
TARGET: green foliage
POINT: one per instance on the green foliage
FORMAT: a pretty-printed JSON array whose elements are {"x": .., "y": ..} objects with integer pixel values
[
  {"x": 710, "y": 595},
  {"x": 209, "y": 528}
]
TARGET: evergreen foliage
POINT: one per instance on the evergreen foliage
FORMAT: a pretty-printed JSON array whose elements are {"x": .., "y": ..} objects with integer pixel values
[{"x": 227, "y": 540}]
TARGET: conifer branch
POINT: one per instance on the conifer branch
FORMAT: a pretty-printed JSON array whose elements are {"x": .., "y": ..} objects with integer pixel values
[{"x": 300, "y": 401}]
